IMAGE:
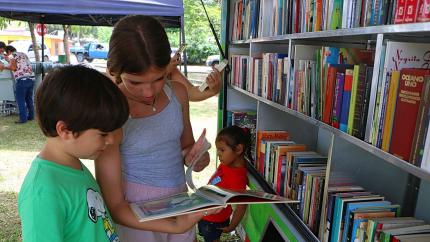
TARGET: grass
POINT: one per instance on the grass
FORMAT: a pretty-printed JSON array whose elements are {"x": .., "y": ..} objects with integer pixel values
[
  {"x": 19, "y": 144},
  {"x": 25, "y": 136},
  {"x": 9, "y": 220}
]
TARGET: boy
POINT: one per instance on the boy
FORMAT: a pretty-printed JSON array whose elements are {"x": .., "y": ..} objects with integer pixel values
[{"x": 77, "y": 109}]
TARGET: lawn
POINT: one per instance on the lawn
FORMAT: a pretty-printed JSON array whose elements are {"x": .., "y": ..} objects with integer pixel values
[{"x": 20, "y": 143}]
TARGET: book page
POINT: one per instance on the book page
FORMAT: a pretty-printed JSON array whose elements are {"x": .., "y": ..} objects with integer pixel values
[
  {"x": 174, "y": 205},
  {"x": 196, "y": 153}
]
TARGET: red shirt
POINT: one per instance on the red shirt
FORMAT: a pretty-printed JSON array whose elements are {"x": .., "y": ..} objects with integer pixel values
[{"x": 230, "y": 178}]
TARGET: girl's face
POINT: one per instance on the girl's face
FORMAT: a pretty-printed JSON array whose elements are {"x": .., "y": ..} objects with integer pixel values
[
  {"x": 226, "y": 154},
  {"x": 145, "y": 86}
]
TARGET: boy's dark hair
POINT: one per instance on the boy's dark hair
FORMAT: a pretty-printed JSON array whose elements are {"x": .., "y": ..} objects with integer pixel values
[
  {"x": 2, "y": 44},
  {"x": 81, "y": 97},
  {"x": 235, "y": 135},
  {"x": 10, "y": 48},
  {"x": 137, "y": 42}
]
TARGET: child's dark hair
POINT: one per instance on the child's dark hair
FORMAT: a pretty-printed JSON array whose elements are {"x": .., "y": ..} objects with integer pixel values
[
  {"x": 10, "y": 48},
  {"x": 137, "y": 43},
  {"x": 81, "y": 97},
  {"x": 235, "y": 135}
]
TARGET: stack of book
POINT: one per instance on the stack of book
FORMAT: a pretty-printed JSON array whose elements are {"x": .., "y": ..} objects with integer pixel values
[{"x": 353, "y": 214}]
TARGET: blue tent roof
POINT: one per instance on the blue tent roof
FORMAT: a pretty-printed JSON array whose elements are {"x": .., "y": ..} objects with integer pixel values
[{"x": 91, "y": 12}]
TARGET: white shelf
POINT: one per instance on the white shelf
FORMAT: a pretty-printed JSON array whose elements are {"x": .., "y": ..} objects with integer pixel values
[
  {"x": 362, "y": 34},
  {"x": 408, "y": 167}
]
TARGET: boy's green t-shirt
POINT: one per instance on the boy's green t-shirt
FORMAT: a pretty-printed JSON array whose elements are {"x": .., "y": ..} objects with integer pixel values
[{"x": 59, "y": 203}]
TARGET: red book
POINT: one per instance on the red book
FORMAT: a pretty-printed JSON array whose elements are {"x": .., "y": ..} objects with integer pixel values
[
  {"x": 400, "y": 12},
  {"x": 424, "y": 11},
  {"x": 411, "y": 10},
  {"x": 409, "y": 96},
  {"x": 328, "y": 101},
  {"x": 280, "y": 176},
  {"x": 267, "y": 135}
]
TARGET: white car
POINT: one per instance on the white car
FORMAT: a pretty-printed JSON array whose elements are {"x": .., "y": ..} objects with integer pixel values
[
  {"x": 26, "y": 47},
  {"x": 212, "y": 60}
]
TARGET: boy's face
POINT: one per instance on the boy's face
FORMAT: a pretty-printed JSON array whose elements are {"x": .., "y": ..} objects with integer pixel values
[
  {"x": 225, "y": 153},
  {"x": 91, "y": 143}
]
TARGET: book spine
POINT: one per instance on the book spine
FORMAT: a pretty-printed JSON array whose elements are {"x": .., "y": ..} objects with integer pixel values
[
  {"x": 337, "y": 102},
  {"x": 346, "y": 99},
  {"x": 411, "y": 9},
  {"x": 424, "y": 11},
  {"x": 400, "y": 12}
]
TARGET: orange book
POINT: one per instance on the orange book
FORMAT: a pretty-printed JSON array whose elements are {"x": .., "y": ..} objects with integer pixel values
[{"x": 267, "y": 135}]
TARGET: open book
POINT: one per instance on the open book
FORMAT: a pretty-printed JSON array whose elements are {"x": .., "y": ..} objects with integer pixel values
[{"x": 205, "y": 197}]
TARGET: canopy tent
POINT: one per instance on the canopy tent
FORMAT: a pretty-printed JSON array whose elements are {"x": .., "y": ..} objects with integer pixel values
[
  {"x": 95, "y": 12},
  {"x": 91, "y": 12}
]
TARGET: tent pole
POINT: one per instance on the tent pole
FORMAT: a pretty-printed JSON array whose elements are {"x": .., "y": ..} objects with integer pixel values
[
  {"x": 182, "y": 35},
  {"x": 43, "y": 49}
]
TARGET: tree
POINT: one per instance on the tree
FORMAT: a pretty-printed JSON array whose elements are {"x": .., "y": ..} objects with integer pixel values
[
  {"x": 198, "y": 34},
  {"x": 4, "y": 22},
  {"x": 33, "y": 39},
  {"x": 66, "y": 29}
]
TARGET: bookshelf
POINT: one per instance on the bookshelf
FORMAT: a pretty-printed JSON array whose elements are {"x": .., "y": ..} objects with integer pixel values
[{"x": 369, "y": 166}]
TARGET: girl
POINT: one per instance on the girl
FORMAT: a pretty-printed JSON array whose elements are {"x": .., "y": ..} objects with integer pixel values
[
  {"x": 145, "y": 160},
  {"x": 233, "y": 145}
]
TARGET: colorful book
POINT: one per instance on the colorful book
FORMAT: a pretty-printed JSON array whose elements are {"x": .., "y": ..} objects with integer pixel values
[{"x": 408, "y": 104}]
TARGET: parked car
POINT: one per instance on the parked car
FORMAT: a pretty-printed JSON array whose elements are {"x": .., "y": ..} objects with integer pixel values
[
  {"x": 26, "y": 47},
  {"x": 90, "y": 51},
  {"x": 212, "y": 60}
]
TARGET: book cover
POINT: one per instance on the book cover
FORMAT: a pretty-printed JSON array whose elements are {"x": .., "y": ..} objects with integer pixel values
[
  {"x": 267, "y": 135},
  {"x": 205, "y": 197},
  {"x": 411, "y": 10},
  {"x": 408, "y": 103}
]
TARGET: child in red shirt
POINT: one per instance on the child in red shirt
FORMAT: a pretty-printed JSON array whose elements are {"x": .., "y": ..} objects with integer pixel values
[{"x": 232, "y": 144}]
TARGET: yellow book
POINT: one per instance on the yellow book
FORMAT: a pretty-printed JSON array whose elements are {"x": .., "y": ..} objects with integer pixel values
[{"x": 391, "y": 106}]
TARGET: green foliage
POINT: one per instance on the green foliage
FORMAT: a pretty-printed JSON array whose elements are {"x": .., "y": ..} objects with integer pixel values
[
  {"x": 4, "y": 22},
  {"x": 198, "y": 34},
  {"x": 103, "y": 34}
]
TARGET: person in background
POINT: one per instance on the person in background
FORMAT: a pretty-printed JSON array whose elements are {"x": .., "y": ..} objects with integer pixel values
[
  {"x": 23, "y": 75},
  {"x": 78, "y": 110},
  {"x": 2, "y": 49},
  {"x": 146, "y": 160},
  {"x": 233, "y": 145}
]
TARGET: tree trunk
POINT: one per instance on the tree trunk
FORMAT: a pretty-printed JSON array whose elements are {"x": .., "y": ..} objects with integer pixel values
[
  {"x": 33, "y": 39},
  {"x": 66, "y": 43}
]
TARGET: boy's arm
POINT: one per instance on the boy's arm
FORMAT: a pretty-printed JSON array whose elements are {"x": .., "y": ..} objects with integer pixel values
[
  {"x": 236, "y": 218},
  {"x": 108, "y": 174}
]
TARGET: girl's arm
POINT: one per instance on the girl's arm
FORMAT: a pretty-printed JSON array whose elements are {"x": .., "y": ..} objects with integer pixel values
[
  {"x": 108, "y": 174},
  {"x": 187, "y": 138},
  {"x": 236, "y": 218},
  {"x": 194, "y": 94}
]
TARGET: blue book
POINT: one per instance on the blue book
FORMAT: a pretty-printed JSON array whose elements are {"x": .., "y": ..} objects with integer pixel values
[
  {"x": 353, "y": 206},
  {"x": 346, "y": 99},
  {"x": 340, "y": 210}
]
